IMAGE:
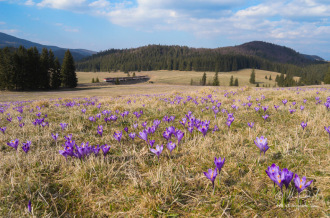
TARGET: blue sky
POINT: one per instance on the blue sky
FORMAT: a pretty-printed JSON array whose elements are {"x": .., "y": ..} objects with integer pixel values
[{"x": 303, "y": 25}]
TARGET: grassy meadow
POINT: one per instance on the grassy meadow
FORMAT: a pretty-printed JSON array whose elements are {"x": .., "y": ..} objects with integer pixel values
[
  {"x": 185, "y": 77},
  {"x": 130, "y": 181}
]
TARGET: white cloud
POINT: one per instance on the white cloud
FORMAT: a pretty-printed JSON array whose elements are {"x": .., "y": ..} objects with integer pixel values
[
  {"x": 9, "y": 31},
  {"x": 63, "y": 4},
  {"x": 2, "y": 23},
  {"x": 29, "y": 2},
  {"x": 100, "y": 4}
]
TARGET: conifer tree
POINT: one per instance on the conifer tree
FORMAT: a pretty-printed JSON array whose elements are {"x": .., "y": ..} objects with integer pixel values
[
  {"x": 236, "y": 82},
  {"x": 56, "y": 75},
  {"x": 270, "y": 77},
  {"x": 97, "y": 80},
  {"x": 253, "y": 77},
  {"x": 44, "y": 69},
  {"x": 203, "y": 82},
  {"x": 231, "y": 83},
  {"x": 93, "y": 81},
  {"x": 216, "y": 80},
  {"x": 68, "y": 71}
]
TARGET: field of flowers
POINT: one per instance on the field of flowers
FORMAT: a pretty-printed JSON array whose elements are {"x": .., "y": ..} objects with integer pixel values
[{"x": 213, "y": 152}]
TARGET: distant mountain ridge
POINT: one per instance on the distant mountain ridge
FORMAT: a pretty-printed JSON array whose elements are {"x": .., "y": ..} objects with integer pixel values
[
  {"x": 272, "y": 52},
  {"x": 11, "y": 41}
]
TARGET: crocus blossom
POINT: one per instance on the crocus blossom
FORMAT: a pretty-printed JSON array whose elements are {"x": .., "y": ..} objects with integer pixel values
[
  {"x": 26, "y": 146},
  {"x": 157, "y": 151},
  {"x": 262, "y": 144},
  {"x": 300, "y": 183}
]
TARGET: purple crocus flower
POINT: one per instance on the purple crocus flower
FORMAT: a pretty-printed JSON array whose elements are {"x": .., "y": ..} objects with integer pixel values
[
  {"x": 29, "y": 206},
  {"x": 9, "y": 119},
  {"x": 143, "y": 135},
  {"x": 265, "y": 108},
  {"x": 157, "y": 151},
  {"x": 303, "y": 125},
  {"x": 216, "y": 128},
  {"x": 272, "y": 171},
  {"x": 211, "y": 175},
  {"x": 19, "y": 118},
  {"x": 96, "y": 149},
  {"x": 292, "y": 111},
  {"x": 118, "y": 135},
  {"x": 144, "y": 124},
  {"x": 327, "y": 129},
  {"x": 284, "y": 101},
  {"x": 265, "y": 117},
  {"x": 26, "y": 146},
  {"x": 151, "y": 143},
  {"x": 13, "y": 143},
  {"x": 276, "y": 107},
  {"x": 132, "y": 135},
  {"x": 167, "y": 135},
  {"x": 63, "y": 125},
  {"x": 100, "y": 130},
  {"x": 135, "y": 125},
  {"x": 55, "y": 136},
  {"x": 300, "y": 183},
  {"x": 288, "y": 175},
  {"x": 126, "y": 129},
  {"x": 203, "y": 128},
  {"x": 171, "y": 146},
  {"x": 3, "y": 129},
  {"x": 92, "y": 119},
  {"x": 262, "y": 144},
  {"x": 256, "y": 109},
  {"x": 105, "y": 148},
  {"x": 251, "y": 124},
  {"x": 219, "y": 163},
  {"x": 83, "y": 111},
  {"x": 21, "y": 125}
]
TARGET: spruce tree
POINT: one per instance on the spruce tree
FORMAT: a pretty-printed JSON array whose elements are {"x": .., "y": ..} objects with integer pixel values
[
  {"x": 68, "y": 71},
  {"x": 56, "y": 75},
  {"x": 236, "y": 82},
  {"x": 97, "y": 80},
  {"x": 93, "y": 81},
  {"x": 44, "y": 69},
  {"x": 216, "y": 80},
  {"x": 203, "y": 82},
  {"x": 253, "y": 77},
  {"x": 270, "y": 77},
  {"x": 231, "y": 83}
]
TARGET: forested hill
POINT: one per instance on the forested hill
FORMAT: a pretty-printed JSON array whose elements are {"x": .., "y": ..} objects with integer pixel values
[
  {"x": 14, "y": 42},
  {"x": 259, "y": 55}
]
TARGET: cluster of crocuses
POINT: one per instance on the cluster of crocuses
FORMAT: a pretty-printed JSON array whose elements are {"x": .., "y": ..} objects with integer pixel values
[
  {"x": 212, "y": 174},
  {"x": 284, "y": 177},
  {"x": 230, "y": 119},
  {"x": 73, "y": 150},
  {"x": 192, "y": 122},
  {"x": 15, "y": 143}
]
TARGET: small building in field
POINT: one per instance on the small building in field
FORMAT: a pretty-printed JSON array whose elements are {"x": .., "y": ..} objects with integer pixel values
[{"x": 127, "y": 80}]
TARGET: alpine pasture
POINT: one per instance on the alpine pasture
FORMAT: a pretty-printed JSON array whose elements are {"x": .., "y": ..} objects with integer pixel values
[{"x": 142, "y": 150}]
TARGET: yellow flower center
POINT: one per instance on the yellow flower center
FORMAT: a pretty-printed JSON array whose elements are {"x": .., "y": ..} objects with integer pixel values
[
  {"x": 279, "y": 181},
  {"x": 300, "y": 186}
]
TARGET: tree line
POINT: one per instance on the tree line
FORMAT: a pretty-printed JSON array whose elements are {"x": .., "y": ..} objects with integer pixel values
[
  {"x": 27, "y": 69},
  {"x": 183, "y": 58}
]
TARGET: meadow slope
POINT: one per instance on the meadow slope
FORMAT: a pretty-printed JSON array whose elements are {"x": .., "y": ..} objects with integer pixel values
[{"x": 130, "y": 181}]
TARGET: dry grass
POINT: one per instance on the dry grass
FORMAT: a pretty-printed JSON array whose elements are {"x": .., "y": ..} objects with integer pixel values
[
  {"x": 184, "y": 77},
  {"x": 130, "y": 182}
]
